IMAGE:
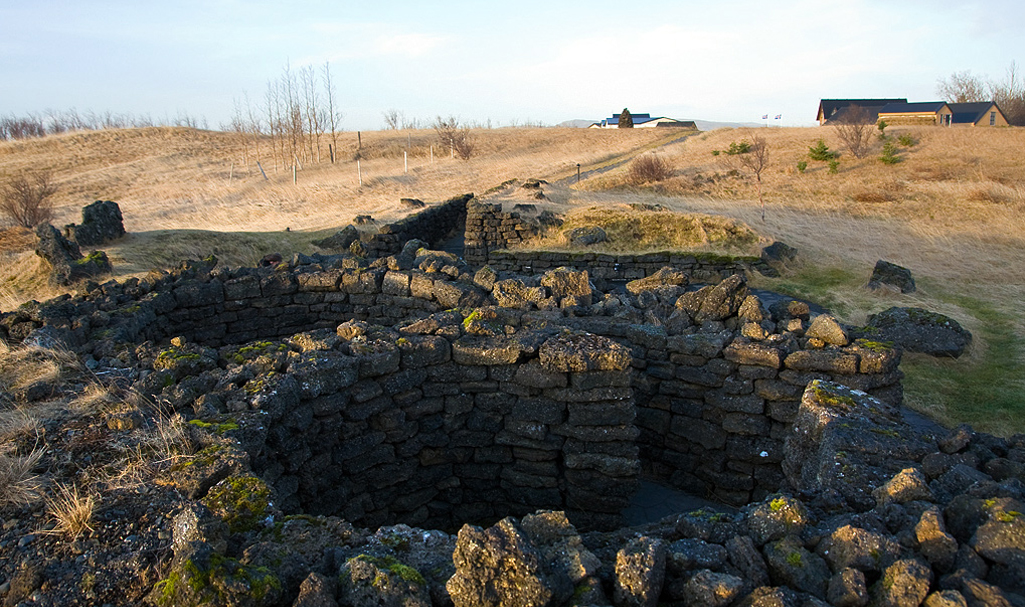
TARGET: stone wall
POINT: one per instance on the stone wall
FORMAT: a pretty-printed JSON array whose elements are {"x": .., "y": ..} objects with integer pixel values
[
  {"x": 716, "y": 377},
  {"x": 489, "y": 228},
  {"x": 701, "y": 267},
  {"x": 490, "y": 232},
  {"x": 715, "y": 407},
  {"x": 432, "y": 225},
  {"x": 428, "y": 429}
]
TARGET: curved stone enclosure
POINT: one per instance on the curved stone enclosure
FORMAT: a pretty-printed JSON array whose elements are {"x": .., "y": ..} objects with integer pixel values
[{"x": 460, "y": 412}]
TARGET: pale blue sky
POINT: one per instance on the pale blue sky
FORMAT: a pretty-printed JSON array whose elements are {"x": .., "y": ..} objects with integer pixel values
[{"x": 545, "y": 61}]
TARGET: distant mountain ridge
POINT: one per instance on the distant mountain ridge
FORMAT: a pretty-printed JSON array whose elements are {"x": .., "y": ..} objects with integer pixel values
[{"x": 703, "y": 125}]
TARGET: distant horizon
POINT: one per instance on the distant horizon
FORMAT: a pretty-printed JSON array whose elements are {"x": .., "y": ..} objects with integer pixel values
[{"x": 532, "y": 62}]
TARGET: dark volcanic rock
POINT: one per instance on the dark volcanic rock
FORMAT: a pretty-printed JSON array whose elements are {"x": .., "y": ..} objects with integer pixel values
[
  {"x": 918, "y": 330},
  {"x": 886, "y": 273},
  {"x": 101, "y": 223},
  {"x": 501, "y": 567},
  {"x": 582, "y": 237},
  {"x": 65, "y": 258}
]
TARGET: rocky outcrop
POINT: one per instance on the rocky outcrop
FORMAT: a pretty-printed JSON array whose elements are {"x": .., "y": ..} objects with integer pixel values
[
  {"x": 67, "y": 264},
  {"x": 101, "y": 223}
]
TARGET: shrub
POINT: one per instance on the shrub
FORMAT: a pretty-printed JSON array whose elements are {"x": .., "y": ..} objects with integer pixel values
[
  {"x": 834, "y": 166},
  {"x": 906, "y": 140},
  {"x": 889, "y": 153},
  {"x": 801, "y": 166},
  {"x": 821, "y": 152},
  {"x": 854, "y": 130},
  {"x": 649, "y": 168},
  {"x": 27, "y": 201},
  {"x": 454, "y": 136}
]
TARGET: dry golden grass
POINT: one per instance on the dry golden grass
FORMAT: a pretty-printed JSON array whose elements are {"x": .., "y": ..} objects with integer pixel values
[
  {"x": 178, "y": 178},
  {"x": 186, "y": 193},
  {"x": 19, "y": 485},
  {"x": 948, "y": 176},
  {"x": 71, "y": 510}
]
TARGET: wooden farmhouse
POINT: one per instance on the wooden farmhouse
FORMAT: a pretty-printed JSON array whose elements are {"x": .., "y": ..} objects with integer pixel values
[
  {"x": 833, "y": 110},
  {"x": 645, "y": 121},
  {"x": 984, "y": 113},
  {"x": 900, "y": 112}
]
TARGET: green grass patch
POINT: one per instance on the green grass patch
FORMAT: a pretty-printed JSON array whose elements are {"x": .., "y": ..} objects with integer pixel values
[
  {"x": 827, "y": 286},
  {"x": 985, "y": 390}
]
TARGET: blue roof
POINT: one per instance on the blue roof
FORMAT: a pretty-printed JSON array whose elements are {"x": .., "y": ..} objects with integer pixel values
[{"x": 637, "y": 118}]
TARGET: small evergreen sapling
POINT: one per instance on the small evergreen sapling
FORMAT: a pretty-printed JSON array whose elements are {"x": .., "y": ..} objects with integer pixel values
[{"x": 821, "y": 152}]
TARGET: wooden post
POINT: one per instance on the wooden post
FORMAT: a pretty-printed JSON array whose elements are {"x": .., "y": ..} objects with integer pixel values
[
  {"x": 295, "y": 178},
  {"x": 260, "y": 166},
  {"x": 331, "y": 151},
  {"x": 231, "y": 171},
  {"x": 432, "y": 153},
  {"x": 405, "y": 161},
  {"x": 578, "y": 172},
  {"x": 359, "y": 141},
  {"x": 359, "y": 173}
]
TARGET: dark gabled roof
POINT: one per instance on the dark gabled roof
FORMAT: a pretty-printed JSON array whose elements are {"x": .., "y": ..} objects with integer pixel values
[
  {"x": 912, "y": 108},
  {"x": 871, "y": 111},
  {"x": 970, "y": 113},
  {"x": 828, "y": 107}
]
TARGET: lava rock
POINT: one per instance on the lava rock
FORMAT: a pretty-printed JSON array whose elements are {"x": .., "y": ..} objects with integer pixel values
[
  {"x": 918, "y": 330},
  {"x": 886, "y": 273}
]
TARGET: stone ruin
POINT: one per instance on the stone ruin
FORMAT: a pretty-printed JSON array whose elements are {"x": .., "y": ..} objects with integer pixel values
[
  {"x": 412, "y": 392},
  {"x": 101, "y": 223}
]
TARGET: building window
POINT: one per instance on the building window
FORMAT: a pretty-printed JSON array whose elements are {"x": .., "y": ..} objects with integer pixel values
[{"x": 992, "y": 119}]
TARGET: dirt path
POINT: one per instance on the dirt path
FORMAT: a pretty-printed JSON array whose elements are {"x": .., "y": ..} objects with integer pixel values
[{"x": 598, "y": 168}]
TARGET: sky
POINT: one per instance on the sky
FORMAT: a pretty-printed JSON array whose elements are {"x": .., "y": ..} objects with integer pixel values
[{"x": 503, "y": 62}]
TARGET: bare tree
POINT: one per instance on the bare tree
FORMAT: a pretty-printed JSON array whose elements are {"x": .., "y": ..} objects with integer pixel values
[
  {"x": 961, "y": 87},
  {"x": 393, "y": 119},
  {"x": 332, "y": 116},
  {"x": 1010, "y": 96},
  {"x": 854, "y": 128},
  {"x": 26, "y": 201},
  {"x": 454, "y": 135},
  {"x": 752, "y": 157}
]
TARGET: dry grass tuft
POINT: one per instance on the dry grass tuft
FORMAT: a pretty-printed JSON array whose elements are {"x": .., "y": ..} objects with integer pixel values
[
  {"x": 649, "y": 168},
  {"x": 168, "y": 440},
  {"x": 72, "y": 511},
  {"x": 19, "y": 485},
  {"x": 26, "y": 366}
]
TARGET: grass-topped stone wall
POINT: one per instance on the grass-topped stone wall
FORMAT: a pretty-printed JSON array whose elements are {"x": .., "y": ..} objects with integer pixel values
[{"x": 493, "y": 237}]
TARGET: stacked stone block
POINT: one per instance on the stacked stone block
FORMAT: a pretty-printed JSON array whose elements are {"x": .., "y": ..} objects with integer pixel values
[
  {"x": 489, "y": 228},
  {"x": 436, "y": 430},
  {"x": 602, "y": 266}
]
